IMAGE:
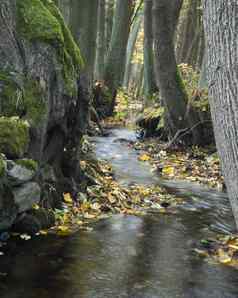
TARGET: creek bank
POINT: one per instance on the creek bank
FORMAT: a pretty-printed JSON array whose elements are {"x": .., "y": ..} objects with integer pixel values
[{"x": 43, "y": 114}]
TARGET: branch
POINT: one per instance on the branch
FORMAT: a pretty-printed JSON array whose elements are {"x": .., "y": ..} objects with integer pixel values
[{"x": 183, "y": 132}]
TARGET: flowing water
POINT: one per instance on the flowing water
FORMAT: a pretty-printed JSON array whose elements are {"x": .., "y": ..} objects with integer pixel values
[{"x": 127, "y": 256}]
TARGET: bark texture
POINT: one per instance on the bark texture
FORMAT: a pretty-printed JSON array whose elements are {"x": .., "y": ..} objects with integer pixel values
[
  {"x": 149, "y": 74},
  {"x": 169, "y": 82},
  {"x": 115, "y": 62},
  {"x": 221, "y": 30},
  {"x": 40, "y": 82}
]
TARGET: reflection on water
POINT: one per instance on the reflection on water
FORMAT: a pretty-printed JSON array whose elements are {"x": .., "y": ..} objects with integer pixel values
[{"x": 126, "y": 256}]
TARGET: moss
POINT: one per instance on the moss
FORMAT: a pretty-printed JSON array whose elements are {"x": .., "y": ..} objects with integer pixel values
[
  {"x": 14, "y": 137},
  {"x": 180, "y": 80},
  {"x": 2, "y": 167},
  {"x": 42, "y": 20},
  {"x": 25, "y": 99},
  {"x": 29, "y": 164}
]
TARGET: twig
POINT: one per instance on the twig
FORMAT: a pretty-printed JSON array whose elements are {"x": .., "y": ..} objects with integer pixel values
[{"x": 182, "y": 132}]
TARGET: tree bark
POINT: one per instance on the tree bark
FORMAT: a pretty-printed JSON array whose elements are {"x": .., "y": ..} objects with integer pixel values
[
  {"x": 83, "y": 21},
  {"x": 115, "y": 63},
  {"x": 221, "y": 31},
  {"x": 130, "y": 48},
  {"x": 100, "y": 53},
  {"x": 149, "y": 74},
  {"x": 169, "y": 82}
]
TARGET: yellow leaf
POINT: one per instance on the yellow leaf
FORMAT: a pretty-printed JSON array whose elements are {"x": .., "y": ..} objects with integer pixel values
[
  {"x": 43, "y": 232},
  {"x": 79, "y": 222},
  {"x": 223, "y": 257},
  {"x": 169, "y": 171},
  {"x": 83, "y": 164},
  {"x": 144, "y": 157},
  {"x": 63, "y": 228},
  {"x": 67, "y": 198},
  {"x": 233, "y": 246},
  {"x": 89, "y": 216},
  {"x": 35, "y": 206},
  {"x": 95, "y": 206}
]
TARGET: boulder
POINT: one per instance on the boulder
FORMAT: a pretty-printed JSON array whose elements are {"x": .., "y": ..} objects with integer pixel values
[
  {"x": 17, "y": 174},
  {"x": 26, "y": 196},
  {"x": 8, "y": 208},
  {"x": 14, "y": 137}
]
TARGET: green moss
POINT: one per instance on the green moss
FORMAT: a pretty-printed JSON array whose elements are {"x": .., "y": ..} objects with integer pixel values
[
  {"x": 180, "y": 80},
  {"x": 14, "y": 137},
  {"x": 19, "y": 100},
  {"x": 2, "y": 167},
  {"x": 29, "y": 164},
  {"x": 42, "y": 20}
]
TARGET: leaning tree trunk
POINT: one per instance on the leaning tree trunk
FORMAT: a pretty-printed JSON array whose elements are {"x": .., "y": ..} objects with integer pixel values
[
  {"x": 169, "y": 82},
  {"x": 130, "y": 48},
  {"x": 221, "y": 31}
]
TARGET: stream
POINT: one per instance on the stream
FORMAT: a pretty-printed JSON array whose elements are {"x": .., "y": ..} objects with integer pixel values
[{"x": 127, "y": 256}]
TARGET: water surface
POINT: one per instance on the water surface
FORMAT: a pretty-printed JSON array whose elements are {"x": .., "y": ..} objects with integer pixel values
[{"x": 127, "y": 256}]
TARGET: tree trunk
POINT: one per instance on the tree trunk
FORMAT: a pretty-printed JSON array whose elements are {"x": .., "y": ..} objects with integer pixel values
[
  {"x": 169, "y": 82},
  {"x": 84, "y": 28},
  {"x": 115, "y": 64},
  {"x": 100, "y": 53},
  {"x": 130, "y": 48},
  {"x": 221, "y": 31},
  {"x": 149, "y": 74}
]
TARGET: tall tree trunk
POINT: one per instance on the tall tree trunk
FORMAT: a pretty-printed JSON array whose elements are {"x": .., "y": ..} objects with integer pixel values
[
  {"x": 221, "y": 31},
  {"x": 130, "y": 48},
  {"x": 109, "y": 22},
  {"x": 188, "y": 31},
  {"x": 115, "y": 63},
  {"x": 100, "y": 54},
  {"x": 149, "y": 74},
  {"x": 84, "y": 28},
  {"x": 169, "y": 82}
]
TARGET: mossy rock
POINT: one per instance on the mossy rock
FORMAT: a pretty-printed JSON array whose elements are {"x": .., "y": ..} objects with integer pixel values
[
  {"x": 14, "y": 137},
  {"x": 29, "y": 164},
  {"x": 21, "y": 96},
  {"x": 2, "y": 166},
  {"x": 41, "y": 20}
]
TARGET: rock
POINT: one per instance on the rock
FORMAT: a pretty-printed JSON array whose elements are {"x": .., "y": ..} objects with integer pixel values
[
  {"x": 26, "y": 196},
  {"x": 34, "y": 221},
  {"x": 14, "y": 137},
  {"x": 8, "y": 208},
  {"x": 48, "y": 174},
  {"x": 17, "y": 174}
]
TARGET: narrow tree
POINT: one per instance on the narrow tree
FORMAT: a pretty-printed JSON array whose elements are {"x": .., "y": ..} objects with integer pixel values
[
  {"x": 101, "y": 45},
  {"x": 149, "y": 74},
  {"x": 221, "y": 30},
  {"x": 115, "y": 63},
  {"x": 130, "y": 48}
]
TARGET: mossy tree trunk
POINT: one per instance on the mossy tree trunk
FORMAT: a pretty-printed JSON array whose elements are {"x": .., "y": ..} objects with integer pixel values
[
  {"x": 169, "y": 82},
  {"x": 40, "y": 81}
]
